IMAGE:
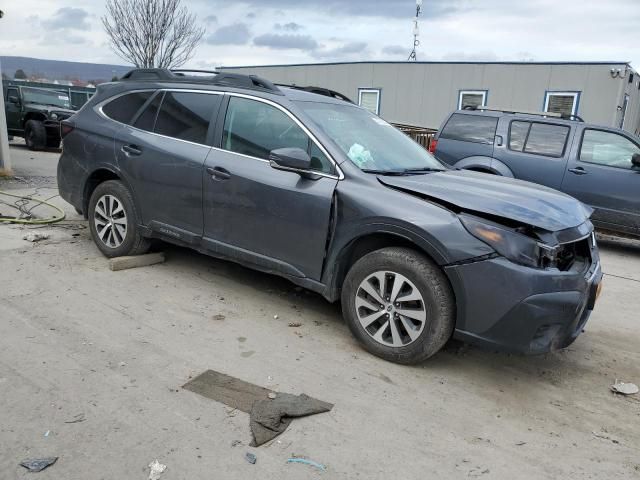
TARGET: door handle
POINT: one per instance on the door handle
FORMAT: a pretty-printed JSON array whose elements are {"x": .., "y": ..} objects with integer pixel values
[
  {"x": 132, "y": 150},
  {"x": 218, "y": 173},
  {"x": 578, "y": 171}
]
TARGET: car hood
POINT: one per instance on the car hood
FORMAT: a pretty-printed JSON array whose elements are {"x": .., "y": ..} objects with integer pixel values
[{"x": 508, "y": 198}]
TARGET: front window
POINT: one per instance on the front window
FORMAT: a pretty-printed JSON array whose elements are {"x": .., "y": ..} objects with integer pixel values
[
  {"x": 368, "y": 141},
  {"x": 607, "y": 148},
  {"x": 46, "y": 97}
]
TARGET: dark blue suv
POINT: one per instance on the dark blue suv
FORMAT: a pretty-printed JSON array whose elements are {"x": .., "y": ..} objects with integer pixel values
[
  {"x": 330, "y": 196},
  {"x": 597, "y": 165}
]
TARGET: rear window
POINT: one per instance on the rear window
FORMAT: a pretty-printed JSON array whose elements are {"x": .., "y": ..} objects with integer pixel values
[
  {"x": 470, "y": 128},
  {"x": 186, "y": 115},
  {"x": 538, "y": 138},
  {"x": 122, "y": 109}
]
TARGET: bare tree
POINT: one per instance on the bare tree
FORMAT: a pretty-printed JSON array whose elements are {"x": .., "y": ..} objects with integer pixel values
[{"x": 152, "y": 33}]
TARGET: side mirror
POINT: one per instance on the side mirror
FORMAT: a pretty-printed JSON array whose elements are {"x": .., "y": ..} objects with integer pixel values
[
  {"x": 635, "y": 160},
  {"x": 290, "y": 159},
  {"x": 14, "y": 99}
]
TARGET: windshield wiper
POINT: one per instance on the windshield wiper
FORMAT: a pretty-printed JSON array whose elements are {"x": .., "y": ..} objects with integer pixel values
[
  {"x": 405, "y": 171},
  {"x": 384, "y": 172}
]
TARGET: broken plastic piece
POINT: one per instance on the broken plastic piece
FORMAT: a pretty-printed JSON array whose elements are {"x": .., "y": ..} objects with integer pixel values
[
  {"x": 624, "y": 388},
  {"x": 307, "y": 462},
  {"x": 38, "y": 464},
  {"x": 250, "y": 457},
  {"x": 35, "y": 237},
  {"x": 156, "y": 469}
]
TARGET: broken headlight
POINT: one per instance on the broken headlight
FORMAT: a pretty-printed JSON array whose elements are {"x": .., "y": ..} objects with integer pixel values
[{"x": 511, "y": 244}]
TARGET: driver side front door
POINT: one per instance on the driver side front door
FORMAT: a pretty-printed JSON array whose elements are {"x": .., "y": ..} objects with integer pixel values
[{"x": 600, "y": 174}]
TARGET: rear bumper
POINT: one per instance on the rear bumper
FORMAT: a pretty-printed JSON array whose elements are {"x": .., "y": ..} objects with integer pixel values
[{"x": 514, "y": 308}]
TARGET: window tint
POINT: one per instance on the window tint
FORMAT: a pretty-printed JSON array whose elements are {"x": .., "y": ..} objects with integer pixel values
[
  {"x": 186, "y": 115},
  {"x": 147, "y": 120},
  {"x": 607, "y": 148},
  {"x": 470, "y": 128},
  {"x": 545, "y": 139},
  {"x": 255, "y": 128},
  {"x": 123, "y": 108}
]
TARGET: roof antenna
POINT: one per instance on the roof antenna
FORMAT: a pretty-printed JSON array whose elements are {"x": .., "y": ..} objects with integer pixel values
[{"x": 416, "y": 32}]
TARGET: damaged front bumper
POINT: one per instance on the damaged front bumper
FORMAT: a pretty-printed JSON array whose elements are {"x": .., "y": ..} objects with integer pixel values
[{"x": 521, "y": 309}]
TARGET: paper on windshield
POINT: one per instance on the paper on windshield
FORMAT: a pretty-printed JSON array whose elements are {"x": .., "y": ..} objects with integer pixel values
[{"x": 360, "y": 156}]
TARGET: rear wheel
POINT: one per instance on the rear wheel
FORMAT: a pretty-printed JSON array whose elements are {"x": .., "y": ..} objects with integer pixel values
[
  {"x": 399, "y": 304},
  {"x": 113, "y": 221},
  {"x": 35, "y": 135}
]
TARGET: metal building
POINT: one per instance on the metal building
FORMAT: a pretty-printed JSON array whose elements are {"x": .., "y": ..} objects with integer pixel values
[{"x": 421, "y": 94}]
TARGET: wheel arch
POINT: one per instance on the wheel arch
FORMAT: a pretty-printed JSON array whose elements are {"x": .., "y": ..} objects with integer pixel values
[
  {"x": 97, "y": 177},
  {"x": 485, "y": 165},
  {"x": 33, "y": 116},
  {"x": 368, "y": 242}
]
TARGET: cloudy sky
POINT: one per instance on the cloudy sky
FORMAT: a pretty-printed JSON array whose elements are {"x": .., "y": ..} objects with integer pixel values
[{"x": 254, "y": 32}]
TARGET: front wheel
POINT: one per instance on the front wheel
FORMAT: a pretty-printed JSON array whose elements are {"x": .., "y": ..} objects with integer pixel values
[
  {"x": 399, "y": 304},
  {"x": 35, "y": 135},
  {"x": 113, "y": 221}
]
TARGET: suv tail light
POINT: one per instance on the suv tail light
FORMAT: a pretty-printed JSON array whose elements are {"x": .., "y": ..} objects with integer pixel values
[
  {"x": 66, "y": 127},
  {"x": 433, "y": 145}
]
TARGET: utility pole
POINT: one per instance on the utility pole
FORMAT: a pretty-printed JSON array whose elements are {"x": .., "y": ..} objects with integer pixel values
[
  {"x": 5, "y": 160},
  {"x": 416, "y": 32}
]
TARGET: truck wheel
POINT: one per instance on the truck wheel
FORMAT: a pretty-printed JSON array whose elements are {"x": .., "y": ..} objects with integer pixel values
[
  {"x": 113, "y": 221},
  {"x": 399, "y": 305},
  {"x": 35, "y": 135},
  {"x": 53, "y": 142}
]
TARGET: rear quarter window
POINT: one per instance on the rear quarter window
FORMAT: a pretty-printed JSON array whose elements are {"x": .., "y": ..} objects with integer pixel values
[
  {"x": 470, "y": 128},
  {"x": 538, "y": 138},
  {"x": 123, "y": 108}
]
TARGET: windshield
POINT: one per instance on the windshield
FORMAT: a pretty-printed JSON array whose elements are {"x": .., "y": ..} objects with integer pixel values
[
  {"x": 46, "y": 97},
  {"x": 370, "y": 143}
]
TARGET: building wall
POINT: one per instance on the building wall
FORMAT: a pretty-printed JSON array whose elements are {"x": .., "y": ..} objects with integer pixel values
[{"x": 423, "y": 94}]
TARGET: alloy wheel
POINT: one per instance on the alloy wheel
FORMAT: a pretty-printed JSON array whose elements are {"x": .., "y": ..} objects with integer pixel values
[
  {"x": 390, "y": 308},
  {"x": 110, "y": 221}
]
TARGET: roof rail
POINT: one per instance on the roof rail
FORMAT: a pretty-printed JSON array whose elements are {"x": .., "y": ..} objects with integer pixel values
[
  {"x": 561, "y": 116},
  {"x": 319, "y": 90},
  {"x": 211, "y": 77}
]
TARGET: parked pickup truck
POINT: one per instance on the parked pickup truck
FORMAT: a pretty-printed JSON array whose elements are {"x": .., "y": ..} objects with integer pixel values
[
  {"x": 598, "y": 165},
  {"x": 35, "y": 114}
]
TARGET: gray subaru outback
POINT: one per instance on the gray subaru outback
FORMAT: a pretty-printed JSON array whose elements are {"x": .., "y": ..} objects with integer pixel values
[{"x": 322, "y": 192}]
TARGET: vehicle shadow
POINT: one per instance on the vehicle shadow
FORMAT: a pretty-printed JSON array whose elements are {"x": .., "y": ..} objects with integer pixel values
[
  {"x": 23, "y": 146},
  {"x": 619, "y": 244},
  {"x": 466, "y": 359}
]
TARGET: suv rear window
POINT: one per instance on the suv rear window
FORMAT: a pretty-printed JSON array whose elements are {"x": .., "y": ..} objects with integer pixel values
[
  {"x": 186, "y": 115},
  {"x": 470, "y": 128},
  {"x": 538, "y": 138},
  {"x": 122, "y": 109}
]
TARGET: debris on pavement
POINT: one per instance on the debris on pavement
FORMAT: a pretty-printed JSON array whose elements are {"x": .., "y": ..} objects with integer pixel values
[
  {"x": 219, "y": 317},
  {"x": 272, "y": 395},
  {"x": 77, "y": 418},
  {"x": 35, "y": 237},
  {"x": 275, "y": 317},
  {"x": 624, "y": 388},
  {"x": 123, "y": 263},
  {"x": 235, "y": 443},
  {"x": 604, "y": 436},
  {"x": 306, "y": 461},
  {"x": 250, "y": 457},
  {"x": 295, "y": 324},
  {"x": 268, "y": 417},
  {"x": 38, "y": 464},
  {"x": 156, "y": 469},
  {"x": 46, "y": 434}
]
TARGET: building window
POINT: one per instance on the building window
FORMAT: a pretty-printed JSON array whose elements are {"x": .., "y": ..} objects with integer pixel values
[
  {"x": 564, "y": 103},
  {"x": 469, "y": 99},
  {"x": 625, "y": 104},
  {"x": 369, "y": 98}
]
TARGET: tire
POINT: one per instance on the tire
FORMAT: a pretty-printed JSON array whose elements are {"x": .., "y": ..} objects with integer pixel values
[
  {"x": 35, "y": 135},
  {"x": 53, "y": 142},
  {"x": 111, "y": 208},
  {"x": 419, "y": 277}
]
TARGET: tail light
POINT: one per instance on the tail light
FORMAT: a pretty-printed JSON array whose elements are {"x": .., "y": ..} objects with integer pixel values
[
  {"x": 433, "y": 145},
  {"x": 66, "y": 127}
]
